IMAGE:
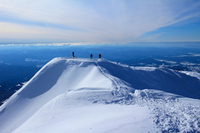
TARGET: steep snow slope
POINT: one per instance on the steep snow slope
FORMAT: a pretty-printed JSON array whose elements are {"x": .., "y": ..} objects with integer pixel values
[
  {"x": 82, "y": 95},
  {"x": 151, "y": 78}
]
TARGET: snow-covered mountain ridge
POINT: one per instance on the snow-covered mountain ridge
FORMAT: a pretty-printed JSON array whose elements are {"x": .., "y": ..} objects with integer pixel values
[{"x": 84, "y": 95}]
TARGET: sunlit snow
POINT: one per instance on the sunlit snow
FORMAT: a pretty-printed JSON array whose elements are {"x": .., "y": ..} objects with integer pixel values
[{"x": 84, "y": 95}]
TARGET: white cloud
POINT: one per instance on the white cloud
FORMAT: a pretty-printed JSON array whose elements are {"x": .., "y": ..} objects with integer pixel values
[
  {"x": 170, "y": 62},
  {"x": 190, "y": 55},
  {"x": 91, "y": 20},
  {"x": 188, "y": 63},
  {"x": 34, "y": 60}
]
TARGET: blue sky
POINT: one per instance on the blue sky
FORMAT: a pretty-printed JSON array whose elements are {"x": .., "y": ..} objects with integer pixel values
[{"x": 99, "y": 21}]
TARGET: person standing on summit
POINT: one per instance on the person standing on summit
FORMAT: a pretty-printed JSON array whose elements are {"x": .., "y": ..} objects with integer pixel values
[
  {"x": 73, "y": 54},
  {"x": 99, "y": 56},
  {"x": 91, "y": 56}
]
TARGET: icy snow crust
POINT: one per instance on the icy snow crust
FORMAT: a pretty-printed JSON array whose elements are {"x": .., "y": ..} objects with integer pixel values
[{"x": 83, "y": 95}]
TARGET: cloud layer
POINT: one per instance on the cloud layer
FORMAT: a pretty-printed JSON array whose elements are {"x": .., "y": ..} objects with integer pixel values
[{"x": 94, "y": 21}]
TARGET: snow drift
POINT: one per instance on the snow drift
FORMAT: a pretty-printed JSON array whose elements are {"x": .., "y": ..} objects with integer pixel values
[{"x": 83, "y": 95}]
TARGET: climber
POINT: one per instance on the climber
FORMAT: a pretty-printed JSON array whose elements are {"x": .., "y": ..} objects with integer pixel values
[
  {"x": 99, "y": 56},
  {"x": 91, "y": 56}
]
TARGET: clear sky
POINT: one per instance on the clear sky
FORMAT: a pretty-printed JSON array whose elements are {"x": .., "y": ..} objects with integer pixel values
[{"x": 99, "y": 20}]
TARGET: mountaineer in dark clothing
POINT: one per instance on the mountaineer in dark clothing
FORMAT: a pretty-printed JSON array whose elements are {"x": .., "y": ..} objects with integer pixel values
[
  {"x": 91, "y": 56},
  {"x": 99, "y": 56}
]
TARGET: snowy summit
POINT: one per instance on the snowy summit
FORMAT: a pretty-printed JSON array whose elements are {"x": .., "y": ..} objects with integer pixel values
[{"x": 72, "y": 95}]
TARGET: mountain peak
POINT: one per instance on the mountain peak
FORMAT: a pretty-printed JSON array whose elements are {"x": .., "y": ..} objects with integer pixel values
[{"x": 74, "y": 84}]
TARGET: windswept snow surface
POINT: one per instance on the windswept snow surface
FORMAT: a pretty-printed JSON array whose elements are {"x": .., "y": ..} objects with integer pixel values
[{"x": 83, "y": 95}]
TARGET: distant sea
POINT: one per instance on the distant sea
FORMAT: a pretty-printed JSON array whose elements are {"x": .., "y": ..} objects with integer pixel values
[{"x": 19, "y": 62}]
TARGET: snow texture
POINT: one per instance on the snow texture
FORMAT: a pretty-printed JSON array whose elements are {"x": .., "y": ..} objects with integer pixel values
[{"x": 84, "y": 95}]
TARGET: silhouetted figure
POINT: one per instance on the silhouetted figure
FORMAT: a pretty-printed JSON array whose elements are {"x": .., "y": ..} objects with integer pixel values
[
  {"x": 91, "y": 56},
  {"x": 99, "y": 56},
  {"x": 73, "y": 54}
]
